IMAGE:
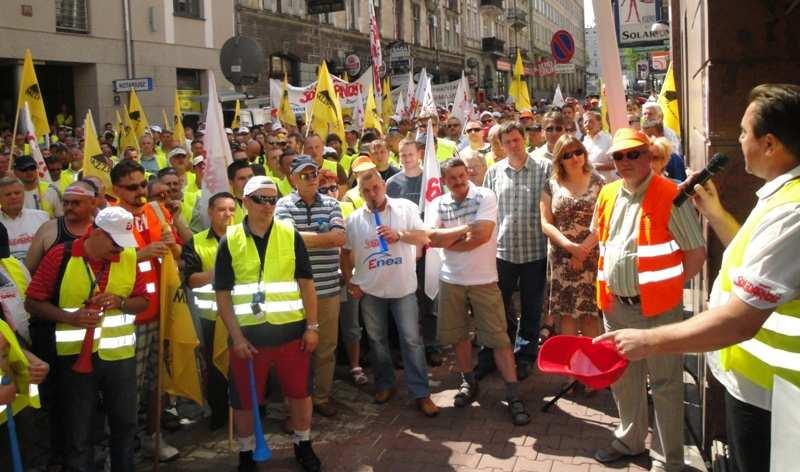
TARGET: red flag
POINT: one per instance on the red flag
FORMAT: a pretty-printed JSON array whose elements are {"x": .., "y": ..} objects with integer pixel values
[{"x": 375, "y": 49}]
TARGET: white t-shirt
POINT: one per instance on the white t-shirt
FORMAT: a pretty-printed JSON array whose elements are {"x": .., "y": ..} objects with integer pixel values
[
  {"x": 386, "y": 275},
  {"x": 21, "y": 230},
  {"x": 768, "y": 277},
  {"x": 478, "y": 266},
  {"x": 597, "y": 148}
]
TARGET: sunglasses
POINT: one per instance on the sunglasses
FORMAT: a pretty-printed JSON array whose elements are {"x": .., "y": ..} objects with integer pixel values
[
  {"x": 487, "y": 120},
  {"x": 309, "y": 176},
  {"x": 330, "y": 189},
  {"x": 554, "y": 129},
  {"x": 272, "y": 143},
  {"x": 631, "y": 155},
  {"x": 263, "y": 199},
  {"x": 134, "y": 187},
  {"x": 474, "y": 130},
  {"x": 533, "y": 128},
  {"x": 453, "y": 125},
  {"x": 568, "y": 155}
]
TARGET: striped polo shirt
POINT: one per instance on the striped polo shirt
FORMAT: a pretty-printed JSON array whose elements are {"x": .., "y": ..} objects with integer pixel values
[{"x": 320, "y": 217}]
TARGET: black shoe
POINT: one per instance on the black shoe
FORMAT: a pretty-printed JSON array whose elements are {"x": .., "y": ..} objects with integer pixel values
[
  {"x": 483, "y": 370},
  {"x": 305, "y": 456},
  {"x": 523, "y": 370},
  {"x": 434, "y": 358},
  {"x": 246, "y": 462},
  {"x": 519, "y": 415},
  {"x": 467, "y": 393},
  {"x": 216, "y": 422}
]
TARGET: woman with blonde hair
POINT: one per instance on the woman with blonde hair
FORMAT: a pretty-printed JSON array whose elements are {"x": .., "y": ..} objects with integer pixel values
[
  {"x": 567, "y": 205},
  {"x": 661, "y": 150},
  {"x": 476, "y": 166}
]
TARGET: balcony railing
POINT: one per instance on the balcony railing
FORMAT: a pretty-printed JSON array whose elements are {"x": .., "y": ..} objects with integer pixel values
[
  {"x": 517, "y": 18},
  {"x": 493, "y": 46},
  {"x": 492, "y": 7}
]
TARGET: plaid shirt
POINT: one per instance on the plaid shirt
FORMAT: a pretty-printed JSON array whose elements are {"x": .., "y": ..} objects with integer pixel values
[{"x": 520, "y": 238}]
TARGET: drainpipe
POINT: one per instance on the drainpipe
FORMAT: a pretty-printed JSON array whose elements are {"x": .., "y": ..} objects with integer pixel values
[{"x": 126, "y": 21}]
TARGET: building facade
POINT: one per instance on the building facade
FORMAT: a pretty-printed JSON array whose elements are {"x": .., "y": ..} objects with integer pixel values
[
  {"x": 80, "y": 47},
  {"x": 593, "y": 70}
]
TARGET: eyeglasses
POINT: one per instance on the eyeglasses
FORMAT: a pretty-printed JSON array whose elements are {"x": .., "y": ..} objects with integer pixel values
[
  {"x": 569, "y": 130},
  {"x": 577, "y": 152},
  {"x": 309, "y": 176},
  {"x": 474, "y": 130},
  {"x": 535, "y": 128},
  {"x": 453, "y": 125},
  {"x": 631, "y": 155},
  {"x": 263, "y": 199},
  {"x": 134, "y": 187},
  {"x": 554, "y": 129},
  {"x": 330, "y": 189}
]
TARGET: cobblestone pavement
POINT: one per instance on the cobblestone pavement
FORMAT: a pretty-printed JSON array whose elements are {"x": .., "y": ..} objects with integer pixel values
[{"x": 396, "y": 437}]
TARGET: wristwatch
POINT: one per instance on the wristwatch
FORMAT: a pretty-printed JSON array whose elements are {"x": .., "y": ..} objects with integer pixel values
[{"x": 312, "y": 327}]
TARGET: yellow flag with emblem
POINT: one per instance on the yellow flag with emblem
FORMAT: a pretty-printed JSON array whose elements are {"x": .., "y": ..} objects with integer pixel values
[
  {"x": 13, "y": 362},
  {"x": 30, "y": 92},
  {"x": 93, "y": 162},
  {"x": 136, "y": 115},
  {"x": 178, "y": 133},
  {"x": 387, "y": 107},
  {"x": 668, "y": 101},
  {"x": 181, "y": 376},
  {"x": 326, "y": 112},
  {"x": 235, "y": 122},
  {"x": 519, "y": 88},
  {"x": 128, "y": 137},
  {"x": 167, "y": 122},
  {"x": 285, "y": 112},
  {"x": 371, "y": 118}
]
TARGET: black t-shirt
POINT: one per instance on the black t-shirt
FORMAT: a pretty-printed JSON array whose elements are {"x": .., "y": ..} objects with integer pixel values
[
  {"x": 388, "y": 172},
  {"x": 264, "y": 334}
]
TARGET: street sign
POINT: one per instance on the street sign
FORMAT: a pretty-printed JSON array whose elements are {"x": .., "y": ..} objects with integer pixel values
[
  {"x": 562, "y": 46},
  {"x": 564, "y": 68},
  {"x": 140, "y": 85}
]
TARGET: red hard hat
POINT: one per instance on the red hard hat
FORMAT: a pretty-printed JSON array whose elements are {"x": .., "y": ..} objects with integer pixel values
[{"x": 594, "y": 365}]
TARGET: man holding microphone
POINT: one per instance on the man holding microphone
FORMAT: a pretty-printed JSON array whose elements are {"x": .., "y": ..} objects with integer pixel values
[{"x": 753, "y": 324}]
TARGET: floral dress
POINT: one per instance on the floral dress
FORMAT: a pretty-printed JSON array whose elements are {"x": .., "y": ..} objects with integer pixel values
[{"x": 571, "y": 292}]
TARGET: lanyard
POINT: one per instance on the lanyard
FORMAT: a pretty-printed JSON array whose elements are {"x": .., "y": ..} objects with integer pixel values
[{"x": 93, "y": 281}]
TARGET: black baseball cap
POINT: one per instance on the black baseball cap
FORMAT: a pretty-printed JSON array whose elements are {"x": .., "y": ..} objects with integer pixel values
[{"x": 24, "y": 163}]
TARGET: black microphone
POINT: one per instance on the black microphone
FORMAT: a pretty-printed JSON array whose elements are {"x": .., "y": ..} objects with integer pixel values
[{"x": 715, "y": 165}]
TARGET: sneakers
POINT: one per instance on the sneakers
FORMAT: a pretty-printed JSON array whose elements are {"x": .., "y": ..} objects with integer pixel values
[
  {"x": 246, "y": 462},
  {"x": 166, "y": 452},
  {"x": 427, "y": 407},
  {"x": 467, "y": 393},
  {"x": 519, "y": 415},
  {"x": 305, "y": 456},
  {"x": 384, "y": 396},
  {"x": 359, "y": 377}
]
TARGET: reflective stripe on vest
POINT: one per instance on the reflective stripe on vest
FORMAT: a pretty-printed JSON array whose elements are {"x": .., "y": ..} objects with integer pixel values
[
  {"x": 775, "y": 349},
  {"x": 281, "y": 302},
  {"x": 204, "y": 297},
  {"x": 115, "y": 338},
  {"x": 659, "y": 258}
]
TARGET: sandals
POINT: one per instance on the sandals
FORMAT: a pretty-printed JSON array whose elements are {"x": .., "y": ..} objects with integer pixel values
[
  {"x": 359, "y": 377},
  {"x": 545, "y": 332},
  {"x": 519, "y": 416}
]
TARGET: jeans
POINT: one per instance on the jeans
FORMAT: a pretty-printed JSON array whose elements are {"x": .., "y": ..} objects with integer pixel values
[
  {"x": 376, "y": 322},
  {"x": 349, "y": 325},
  {"x": 749, "y": 435},
  {"x": 116, "y": 381},
  {"x": 530, "y": 278}
]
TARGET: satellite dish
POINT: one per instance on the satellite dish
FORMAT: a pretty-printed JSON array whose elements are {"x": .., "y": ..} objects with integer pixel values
[{"x": 241, "y": 60}]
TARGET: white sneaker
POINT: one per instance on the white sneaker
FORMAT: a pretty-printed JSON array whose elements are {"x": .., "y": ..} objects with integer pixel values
[{"x": 166, "y": 452}]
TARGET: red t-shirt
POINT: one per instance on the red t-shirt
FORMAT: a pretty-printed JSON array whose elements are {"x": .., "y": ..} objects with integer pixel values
[{"x": 45, "y": 279}]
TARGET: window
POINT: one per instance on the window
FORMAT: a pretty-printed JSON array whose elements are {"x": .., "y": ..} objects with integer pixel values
[
  {"x": 190, "y": 8},
  {"x": 188, "y": 79},
  {"x": 271, "y": 5},
  {"x": 72, "y": 16},
  {"x": 415, "y": 14}
]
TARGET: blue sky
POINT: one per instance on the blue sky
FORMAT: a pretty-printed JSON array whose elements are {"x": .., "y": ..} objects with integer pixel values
[{"x": 588, "y": 13}]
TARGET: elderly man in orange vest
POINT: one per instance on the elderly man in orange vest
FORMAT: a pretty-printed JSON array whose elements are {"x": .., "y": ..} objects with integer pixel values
[{"x": 648, "y": 249}]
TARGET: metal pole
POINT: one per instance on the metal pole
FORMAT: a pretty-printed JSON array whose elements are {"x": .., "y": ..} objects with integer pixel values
[{"x": 126, "y": 20}]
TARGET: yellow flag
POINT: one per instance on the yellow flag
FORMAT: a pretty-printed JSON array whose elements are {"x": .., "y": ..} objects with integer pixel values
[
  {"x": 371, "y": 118},
  {"x": 668, "y": 101},
  {"x": 30, "y": 92},
  {"x": 285, "y": 112},
  {"x": 93, "y": 163},
  {"x": 326, "y": 112},
  {"x": 178, "y": 134},
  {"x": 345, "y": 77},
  {"x": 136, "y": 115},
  {"x": 128, "y": 137},
  {"x": 166, "y": 120},
  {"x": 181, "y": 376},
  {"x": 235, "y": 121},
  {"x": 221, "y": 360},
  {"x": 15, "y": 363},
  {"x": 519, "y": 88},
  {"x": 604, "y": 108},
  {"x": 387, "y": 106}
]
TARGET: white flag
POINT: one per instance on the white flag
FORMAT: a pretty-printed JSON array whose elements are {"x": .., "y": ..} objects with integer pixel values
[
  {"x": 358, "y": 113},
  {"x": 431, "y": 189},
  {"x": 410, "y": 102},
  {"x": 424, "y": 95},
  {"x": 30, "y": 138},
  {"x": 215, "y": 142},
  {"x": 558, "y": 99},
  {"x": 462, "y": 106},
  {"x": 400, "y": 106},
  {"x": 375, "y": 49}
]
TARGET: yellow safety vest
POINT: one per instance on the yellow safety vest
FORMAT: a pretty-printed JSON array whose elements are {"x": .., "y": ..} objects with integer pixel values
[
  {"x": 204, "y": 297},
  {"x": 190, "y": 183},
  {"x": 279, "y": 301},
  {"x": 161, "y": 158},
  {"x": 239, "y": 213},
  {"x": 347, "y": 209},
  {"x": 188, "y": 204},
  {"x": 115, "y": 338},
  {"x": 284, "y": 186},
  {"x": 67, "y": 177},
  {"x": 445, "y": 149},
  {"x": 16, "y": 271},
  {"x": 330, "y": 165},
  {"x": 46, "y": 206},
  {"x": 772, "y": 350},
  {"x": 355, "y": 196},
  {"x": 27, "y": 393}
]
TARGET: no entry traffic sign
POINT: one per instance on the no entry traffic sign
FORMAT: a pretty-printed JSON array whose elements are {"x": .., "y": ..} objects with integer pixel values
[{"x": 562, "y": 46}]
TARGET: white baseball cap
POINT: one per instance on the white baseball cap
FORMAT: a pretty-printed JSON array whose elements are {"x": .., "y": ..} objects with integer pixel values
[
  {"x": 227, "y": 131},
  {"x": 155, "y": 128},
  {"x": 243, "y": 130},
  {"x": 198, "y": 159},
  {"x": 118, "y": 223},
  {"x": 178, "y": 151},
  {"x": 257, "y": 183}
]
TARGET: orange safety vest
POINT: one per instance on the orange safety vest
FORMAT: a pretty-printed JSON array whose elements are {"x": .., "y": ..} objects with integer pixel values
[
  {"x": 149, "y": 268},
  {"x": 660, "y": 259}
]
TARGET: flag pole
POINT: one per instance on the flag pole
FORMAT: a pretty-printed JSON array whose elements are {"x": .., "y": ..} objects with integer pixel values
[{"x": 14, "y": 138}]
